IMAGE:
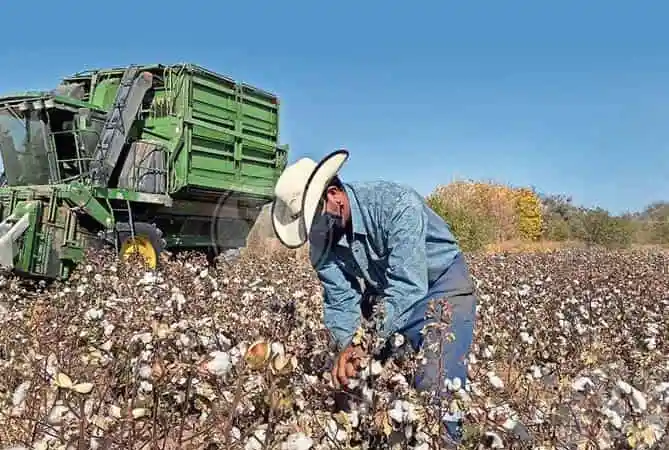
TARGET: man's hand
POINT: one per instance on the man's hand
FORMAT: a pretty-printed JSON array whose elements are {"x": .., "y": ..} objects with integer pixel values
[{"x": 347, "y": 364}]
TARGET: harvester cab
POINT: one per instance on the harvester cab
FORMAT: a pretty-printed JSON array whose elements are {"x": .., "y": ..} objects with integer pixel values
[{"x": 141, "y": 158}]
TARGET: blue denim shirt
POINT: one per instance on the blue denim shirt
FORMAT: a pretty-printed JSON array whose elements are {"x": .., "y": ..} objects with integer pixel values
[{"x": 400, "y": 247}]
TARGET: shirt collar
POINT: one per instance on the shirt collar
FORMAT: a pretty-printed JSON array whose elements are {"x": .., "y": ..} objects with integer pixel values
[{"x": 356, "y": 216}]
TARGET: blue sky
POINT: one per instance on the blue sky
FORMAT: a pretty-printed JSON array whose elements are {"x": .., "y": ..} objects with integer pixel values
[{"x": 571, "y": 97}]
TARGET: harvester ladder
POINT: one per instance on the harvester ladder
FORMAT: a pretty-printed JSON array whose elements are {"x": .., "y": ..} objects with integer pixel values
[
  {"x": 129, "y": 98},
  {"x": 131, "y": 223}
]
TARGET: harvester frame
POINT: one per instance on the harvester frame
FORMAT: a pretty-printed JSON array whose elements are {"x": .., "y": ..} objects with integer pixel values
[{"x": 142, "y": 158}]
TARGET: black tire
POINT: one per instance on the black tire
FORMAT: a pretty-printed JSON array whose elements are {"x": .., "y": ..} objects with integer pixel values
[{"x": 146, "y": 234}]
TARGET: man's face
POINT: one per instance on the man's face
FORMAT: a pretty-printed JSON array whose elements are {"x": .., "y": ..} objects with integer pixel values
[
  {"x": 336, "y": 204},
  {"x": 330, "y": 222}
]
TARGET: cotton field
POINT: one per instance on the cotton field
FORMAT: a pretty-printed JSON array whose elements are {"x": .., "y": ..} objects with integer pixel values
[{"x": 571, "y": 352}]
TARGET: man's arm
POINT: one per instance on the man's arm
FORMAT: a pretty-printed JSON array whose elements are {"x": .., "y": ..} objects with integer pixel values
[
  {"x": 341, "y": 302},
  {"x": 407, "y": 262}
]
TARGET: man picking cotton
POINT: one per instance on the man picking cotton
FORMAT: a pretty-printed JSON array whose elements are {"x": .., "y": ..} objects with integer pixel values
[{"x": 385, "y": 234}]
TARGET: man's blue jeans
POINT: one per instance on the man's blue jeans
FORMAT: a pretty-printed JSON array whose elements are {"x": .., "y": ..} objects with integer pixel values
[{"x": 456, "y": 288}]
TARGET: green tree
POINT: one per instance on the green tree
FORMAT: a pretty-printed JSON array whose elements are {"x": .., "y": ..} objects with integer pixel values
[
  {"x": 601, "y": 228},
  {"x": 473, "y": 231}
]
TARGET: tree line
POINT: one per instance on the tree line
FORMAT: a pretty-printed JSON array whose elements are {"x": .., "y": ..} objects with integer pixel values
[{"x": 486, "y": 213}]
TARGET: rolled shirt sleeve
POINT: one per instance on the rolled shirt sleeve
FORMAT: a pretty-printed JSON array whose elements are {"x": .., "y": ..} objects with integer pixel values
[
  {"x": 341, "y": 296},
  {"x": 407, "y": 271}
]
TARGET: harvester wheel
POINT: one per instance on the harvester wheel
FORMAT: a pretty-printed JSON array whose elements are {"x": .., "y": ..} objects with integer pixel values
[{"x": 146, "y": 243}]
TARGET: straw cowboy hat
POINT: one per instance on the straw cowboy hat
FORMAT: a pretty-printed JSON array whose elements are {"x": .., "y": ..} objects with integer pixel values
[{"x": 298, "y": 193}]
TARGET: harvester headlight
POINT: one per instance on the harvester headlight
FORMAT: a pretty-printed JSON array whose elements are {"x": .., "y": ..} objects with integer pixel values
[
  {"x": 38, "y": 104},
  {"x": 24, "y": 106}
]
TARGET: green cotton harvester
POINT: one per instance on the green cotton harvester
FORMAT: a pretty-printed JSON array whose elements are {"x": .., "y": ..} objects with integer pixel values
[{"x": 140, "y": 158}]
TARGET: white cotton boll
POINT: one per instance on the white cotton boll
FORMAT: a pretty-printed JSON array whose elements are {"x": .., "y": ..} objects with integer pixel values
[
  {"x": 408, "y": 432},
  {"x": 651, "y": 343},
  {"x": 581, "y": 384},
  {"x": 184, "y": 341},
  {"x": 354, "y": 419},
  {"x": 373, "y": 369},
  {"x": 396, "y": 412},
  {"x": 398, "y": 340},
  {"x": 583, "y": 311},
  {"x": 494, "y": 380},
  {"x": 145, "y": 338},
  {"x": 353, "y": 383},
  {"x": 638, "y": 401},
  {"x": 334, "y": 431},
  {"x": 399, "y": 380},
  {"x": 107, "y": 345},
  {"x": 149, "y": 278},
  {"x": 94, "y": 314},
  {"x": 422, "y": 438},
  {"x": 220, "y": 364},
  {"x": 613, "y": 417},
  {"x": 108, "y": 328},
  {"x": 624, "y": 387},
  {"x": 538, "y": 417},
  {"x": 536, "y": 372},
  {"x": 475, "y": 389},
  {"x": 487, "y": 353},
  {"x": 411, "y": 413},
  {"x": 509, "y": 424},
  {"x": 376, "y": 368},
  {"x": 19, "y": 396},
  {"x": 599, "y": 373},
  {"x": 297, "y": 441},
  {"x": 57, "y": 413},
  {"x": 277, "y": 348},
  {"x": 662, "y": 387},
  {"x": 145, "y": 371},
  {"x": 403, "y": 411},
  {"x": 256, "y": 441},
  {"x": 463, "y": 395},
  {"x": 178, "y": 300},
  {"x": 52, "y": 367},
  {"x": 526, "y": 338}
]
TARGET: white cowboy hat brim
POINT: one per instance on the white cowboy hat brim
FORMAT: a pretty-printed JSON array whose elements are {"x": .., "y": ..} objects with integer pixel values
[
  {"x": 320, "y": 177},
  {"x": 293, "y": 229},
  {"x": 287, "y": 228}
]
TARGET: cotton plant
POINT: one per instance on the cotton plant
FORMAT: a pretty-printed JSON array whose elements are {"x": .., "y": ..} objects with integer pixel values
[{"x": 569, "y": 347}]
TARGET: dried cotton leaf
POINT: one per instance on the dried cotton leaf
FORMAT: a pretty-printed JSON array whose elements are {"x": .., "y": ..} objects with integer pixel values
[
  {"x": 83, "y": 388},
  {"x": 257, "y": 354},
  {"x": 138, "y": 413},
  {"x": 115, "y": 412},
  {"x": 63, "y": 381}
]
